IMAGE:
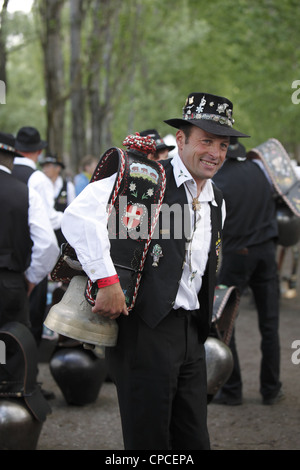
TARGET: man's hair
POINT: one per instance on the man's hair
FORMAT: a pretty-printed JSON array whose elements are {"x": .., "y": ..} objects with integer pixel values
[
  {"x": 186, "y": 129},
  {"x": 87, "y": 160},
  {"x": 6, "y": 160}
]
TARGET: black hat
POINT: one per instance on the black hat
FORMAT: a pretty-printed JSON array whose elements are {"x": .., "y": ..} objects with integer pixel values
[
  {"x": 29, "y": 140},
  {"x": 52, "y": 159},
  {"x": 236, "y": 150},
  {"x": 209, "y": 112},
  {"x": 18, "y": 374},
  {"x": 7, "y": 144},
  {"x": 160, "y": 144}
]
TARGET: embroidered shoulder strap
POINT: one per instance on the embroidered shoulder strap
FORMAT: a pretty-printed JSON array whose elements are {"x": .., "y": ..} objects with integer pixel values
[{"x": 134, "y": 207}]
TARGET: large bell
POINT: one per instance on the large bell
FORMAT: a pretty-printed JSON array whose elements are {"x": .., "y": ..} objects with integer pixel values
[
  {"x": 23, "y": 407},
  {"x": 79, "y": 373},
  {"x": 219, "y": 365},
  {"x": 288, "y": 226},
  {"x": 73, "y": 317},
  {"x": 19, "y": 430}
]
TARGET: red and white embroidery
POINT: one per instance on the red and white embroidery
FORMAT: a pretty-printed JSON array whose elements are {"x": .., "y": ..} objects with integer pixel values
[{"x": 133, "y": 216}]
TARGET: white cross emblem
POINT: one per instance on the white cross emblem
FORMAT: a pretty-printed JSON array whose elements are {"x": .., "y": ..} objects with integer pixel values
[{"x": 132, "y": 217}]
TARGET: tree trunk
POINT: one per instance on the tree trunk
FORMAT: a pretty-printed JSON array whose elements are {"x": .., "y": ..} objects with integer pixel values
[
  {"x": 78, "y": 141},
  {"x": 3, "y": 52},
  {"x": 50, "y": 12}
]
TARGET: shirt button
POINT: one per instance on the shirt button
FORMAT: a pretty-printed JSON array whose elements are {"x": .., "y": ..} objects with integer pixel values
[{"x": 92, "y": 271}]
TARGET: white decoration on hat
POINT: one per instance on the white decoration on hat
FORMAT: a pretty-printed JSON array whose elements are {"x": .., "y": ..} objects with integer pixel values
[
  {"x": 200, "y": 108},
  {"x": 221, "y": 107}
]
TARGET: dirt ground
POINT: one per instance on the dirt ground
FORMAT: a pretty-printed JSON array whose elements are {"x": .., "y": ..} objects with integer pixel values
[{"x": 250, "y": 426}]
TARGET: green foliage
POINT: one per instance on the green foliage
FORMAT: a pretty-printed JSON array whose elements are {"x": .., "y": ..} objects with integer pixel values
[{"x": 162, "y": 51}]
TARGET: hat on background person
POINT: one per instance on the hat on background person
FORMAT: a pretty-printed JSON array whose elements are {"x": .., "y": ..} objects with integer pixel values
[
  {"x": 160, "y": 144},
  {"x": 210, "y": 113},
  {"x": 29, "y": 140},
  {"x": 7, "y": 144},
  {"x": 236, "y": 150},
  {"x": 49, "y": 158}
]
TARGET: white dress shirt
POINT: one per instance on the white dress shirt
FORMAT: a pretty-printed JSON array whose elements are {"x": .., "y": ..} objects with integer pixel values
[
  {"x": 45, "y": 250},
  {"x": 43, "y": 185},
  {"x": 84, "y": 225}
]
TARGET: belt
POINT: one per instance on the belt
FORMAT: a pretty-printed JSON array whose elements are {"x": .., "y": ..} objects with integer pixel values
[{"x": 181, "y": 312}]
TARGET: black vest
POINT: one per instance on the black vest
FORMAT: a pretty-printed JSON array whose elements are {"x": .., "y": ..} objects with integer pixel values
[
  {"x": 22, "y": 172},
  {"x": 15, "y": 241},
  {"x": 60, "y": 204},
  {"x": 159, "y": 285}
]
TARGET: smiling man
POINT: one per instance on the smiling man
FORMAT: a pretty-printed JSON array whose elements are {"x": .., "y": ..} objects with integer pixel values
[{"x": 158, "y": 363}]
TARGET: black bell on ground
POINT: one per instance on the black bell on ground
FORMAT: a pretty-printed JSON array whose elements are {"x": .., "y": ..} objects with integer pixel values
[
  {"x": 79, "y": 374},
  {"x": 288, "y": 226},
  {"x": 19, "y": 430},
  {"x": 23, "y": 408}
]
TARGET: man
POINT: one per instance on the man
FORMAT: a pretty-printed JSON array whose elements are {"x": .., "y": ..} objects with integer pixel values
[
  {"x": 249, "y": 259},
  {"x": 63, "y": 188},
  {"x": 158, "y": 364},
  {"x": 162, "y": 150},
  {"x": 30, "y": 145},
  {"x": 28, "y": 247}
]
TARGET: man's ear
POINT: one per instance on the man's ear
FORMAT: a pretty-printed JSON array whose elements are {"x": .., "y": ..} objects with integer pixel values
[{"x": 180, "y": 139}]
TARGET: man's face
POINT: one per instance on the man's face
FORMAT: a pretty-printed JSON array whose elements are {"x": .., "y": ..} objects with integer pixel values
[
  {"x": 51, "y": 170},
  {"x": 202, "y": 153}
]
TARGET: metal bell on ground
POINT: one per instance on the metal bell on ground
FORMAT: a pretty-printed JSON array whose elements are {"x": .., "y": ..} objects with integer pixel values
[
  {"x": 19, "y": 430},
  {"x": 23, "y": 407},
  {"x": 79, "y": 374},
  {"x": 288, "y": 226},
  {"x": 219, "y": 364},
  {"x": 73, "y": 317}
]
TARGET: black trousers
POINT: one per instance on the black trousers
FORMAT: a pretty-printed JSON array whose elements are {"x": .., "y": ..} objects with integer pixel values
[
  {"x": 37, "y": 302},
  {"x": 160, "y": 376},
  {"x": 256, "y": 267},
  {"x": 14, "y": 305}
]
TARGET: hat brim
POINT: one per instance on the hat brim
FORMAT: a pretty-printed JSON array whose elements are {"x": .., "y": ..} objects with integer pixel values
[
  {"x": 11, "y": 152},
  {"x": 209, "y": 126},
  {"x": 53, "y": 163},
  {"x": 164, "y": 147},
  {"x": 31, "y": 148}
]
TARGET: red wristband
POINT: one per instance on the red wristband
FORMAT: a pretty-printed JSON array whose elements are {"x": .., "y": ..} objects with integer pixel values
[{"x": 107, "y": 281}]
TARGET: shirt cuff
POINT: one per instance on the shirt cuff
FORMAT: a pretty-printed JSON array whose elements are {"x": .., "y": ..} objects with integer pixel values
[{"x": 99, "y": 269}]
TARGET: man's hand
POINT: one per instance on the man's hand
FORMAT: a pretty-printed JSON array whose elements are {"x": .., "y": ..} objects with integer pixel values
[{"x": 110, "y": 302}]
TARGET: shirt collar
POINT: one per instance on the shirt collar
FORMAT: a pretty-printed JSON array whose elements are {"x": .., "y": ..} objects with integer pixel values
[
  {"x": 4, "y": 168},
  {"x": 182, "y": 175},
  {"x": 25, "y": 161}
]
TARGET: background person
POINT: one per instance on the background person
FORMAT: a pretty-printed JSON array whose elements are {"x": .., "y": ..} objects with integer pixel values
[
  {"x": 249, "y": 259},
  {"x": 88, "y": 165}
]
